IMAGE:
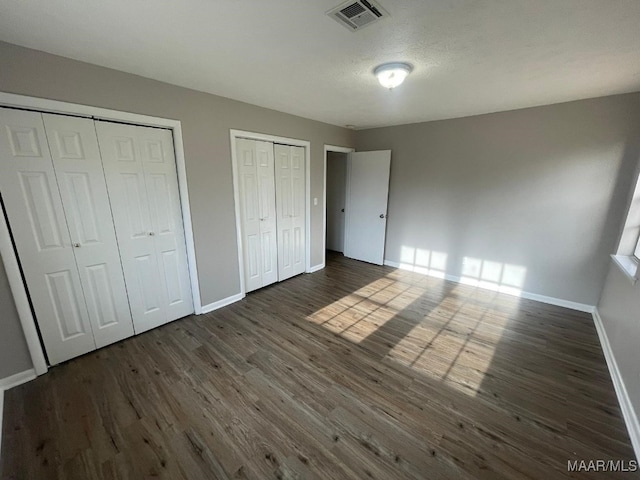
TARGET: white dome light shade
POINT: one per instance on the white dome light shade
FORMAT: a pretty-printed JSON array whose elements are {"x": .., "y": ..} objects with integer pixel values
[{"x": 390, "y": 75}]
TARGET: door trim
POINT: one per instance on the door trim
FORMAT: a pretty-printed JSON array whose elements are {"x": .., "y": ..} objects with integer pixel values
[
  {"x": 327, "y": 149},
  {"x": 234, "y": 135},
  {"x": 6, "y": 247},
  {"x": 20, "y": 298}
]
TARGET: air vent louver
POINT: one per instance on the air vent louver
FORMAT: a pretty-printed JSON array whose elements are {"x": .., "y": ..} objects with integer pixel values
[
  {"x": 352, "y": 10},
  {"x": 357, "y": 14}
]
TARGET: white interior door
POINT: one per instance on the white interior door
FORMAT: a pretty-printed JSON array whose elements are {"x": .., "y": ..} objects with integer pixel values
[
  {"x": 143, "y": 195},
  {"x": 290, "y": 204},
  {"x": 132, "y": 219},
  {"x": 267, "y": 209},
  {"x": 36, "y": 216},
  {"x": 298, "y": 213},
  {"x": 366, "y": 210},
  {"x": 161, "y": 179},
  {"x": 257, "y": 212},
  {"x": 249, "y": 196},
  {"x": 78, "y": 167}
]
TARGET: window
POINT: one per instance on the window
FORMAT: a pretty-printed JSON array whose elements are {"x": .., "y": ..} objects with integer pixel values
[{"x": 628, "y": 255}]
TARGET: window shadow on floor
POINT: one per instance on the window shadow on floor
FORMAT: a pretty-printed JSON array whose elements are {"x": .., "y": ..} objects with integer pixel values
[{"x": 542, "y": 364}]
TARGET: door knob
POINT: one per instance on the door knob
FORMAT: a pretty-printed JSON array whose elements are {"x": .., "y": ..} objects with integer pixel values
[
  {"x": 76, "y": 245},
  {"x": 151, "y": 234},
  {"x": 342, "y": 210},
  {"x": 382, "y": 215}
]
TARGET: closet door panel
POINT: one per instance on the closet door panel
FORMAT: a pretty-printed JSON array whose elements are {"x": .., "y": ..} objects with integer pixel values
[
  {"x": 250, "y": 213},
  {"x": 38, "y": 224},
  {"x": 253, "y": 259},
  {"x": 283, "y": 181},
  {"x": 258, "y": 216},
  {"x": 161, "y": 179},
  {"x": 78, "y": 167},
  {"x": 268, "y": 214},
  {"x": 285, "y": 210},
  {"x": 132, "y": 188},
  {"x": 268, "y": 244},
  {"x": 146, "y": 270},
  {"x": 298, "y": 209},
  {"x": 290, "y": 194},
  {"x": 125, "y": 178}
]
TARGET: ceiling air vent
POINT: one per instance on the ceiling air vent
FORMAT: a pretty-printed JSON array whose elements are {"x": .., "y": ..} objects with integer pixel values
[{"x": 358, "y": 14}]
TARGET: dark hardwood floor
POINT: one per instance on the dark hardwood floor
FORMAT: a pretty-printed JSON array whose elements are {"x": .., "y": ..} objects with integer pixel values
[{"x": 353, "y": 372}]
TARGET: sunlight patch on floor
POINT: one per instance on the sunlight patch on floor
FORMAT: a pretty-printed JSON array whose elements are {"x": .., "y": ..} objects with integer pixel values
[
  {"x": 446, "y": 348},
  {"x": 359, "y": 314},
  {"x": 400, "y": 318}
]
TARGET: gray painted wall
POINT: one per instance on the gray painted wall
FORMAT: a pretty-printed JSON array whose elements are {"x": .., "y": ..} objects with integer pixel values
[
  {"x": 336, "y": 199},
  {"x": 14, "y": 354},
  {"x": 619, "y": 308},
  {"x": 619, "y": 305},
  {"x": 206, "y": 120},
  {"x": 541, "y": 188}
]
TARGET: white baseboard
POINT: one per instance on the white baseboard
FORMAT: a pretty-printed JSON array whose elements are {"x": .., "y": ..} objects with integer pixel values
[
  {"x": 629, "y": 414},
  {"x": 559, "y": 302},
  {"x": 316, "y": 268},
  {"x": 10, "y": 382},
  {"x": 17, "y": 379},
  {"x": 222, "y": 303}
]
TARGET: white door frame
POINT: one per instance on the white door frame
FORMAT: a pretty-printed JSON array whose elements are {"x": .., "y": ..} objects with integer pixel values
[
  {"x": 6, "y": 248},
  {"x": 235, "y": 134},
  {"x": 327, "y": 149}
]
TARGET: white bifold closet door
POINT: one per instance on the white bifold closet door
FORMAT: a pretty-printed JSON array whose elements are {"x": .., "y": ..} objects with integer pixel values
[
  {"x": 290, "y": 201},
  {"x": 257, "y": 212},
  {"x": 78, "y": 167},
  {"x": 140, "y": 169},
  {"x": 79, "y": 302}
]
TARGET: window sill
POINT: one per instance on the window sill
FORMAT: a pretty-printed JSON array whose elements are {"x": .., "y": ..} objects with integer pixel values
[{"x": 628, "y": 265}]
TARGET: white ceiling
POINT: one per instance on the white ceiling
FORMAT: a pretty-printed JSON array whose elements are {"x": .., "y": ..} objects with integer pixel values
[{"x": 470, "y": 56}]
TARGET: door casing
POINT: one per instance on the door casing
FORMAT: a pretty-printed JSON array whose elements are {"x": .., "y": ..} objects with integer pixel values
[{"x": 327, "y": 149}]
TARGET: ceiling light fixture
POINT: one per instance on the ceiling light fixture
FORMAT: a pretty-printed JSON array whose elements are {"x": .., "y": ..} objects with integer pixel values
[{"x": 390, "y": 75}]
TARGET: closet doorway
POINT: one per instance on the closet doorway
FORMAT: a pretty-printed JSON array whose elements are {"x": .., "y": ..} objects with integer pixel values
[
  {"x": 272, "y": 207},
  {"x": 76, "y": 195},
  {"x": 336, "y": 197},
  {"x": 85, "y": 286}
]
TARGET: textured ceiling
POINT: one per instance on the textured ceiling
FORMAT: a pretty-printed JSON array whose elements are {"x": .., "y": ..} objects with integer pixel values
[{"x": 470, "y": 56}]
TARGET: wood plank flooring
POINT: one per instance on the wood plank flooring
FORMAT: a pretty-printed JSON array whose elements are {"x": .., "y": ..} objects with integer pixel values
[{"x": 353, "y": 372}]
